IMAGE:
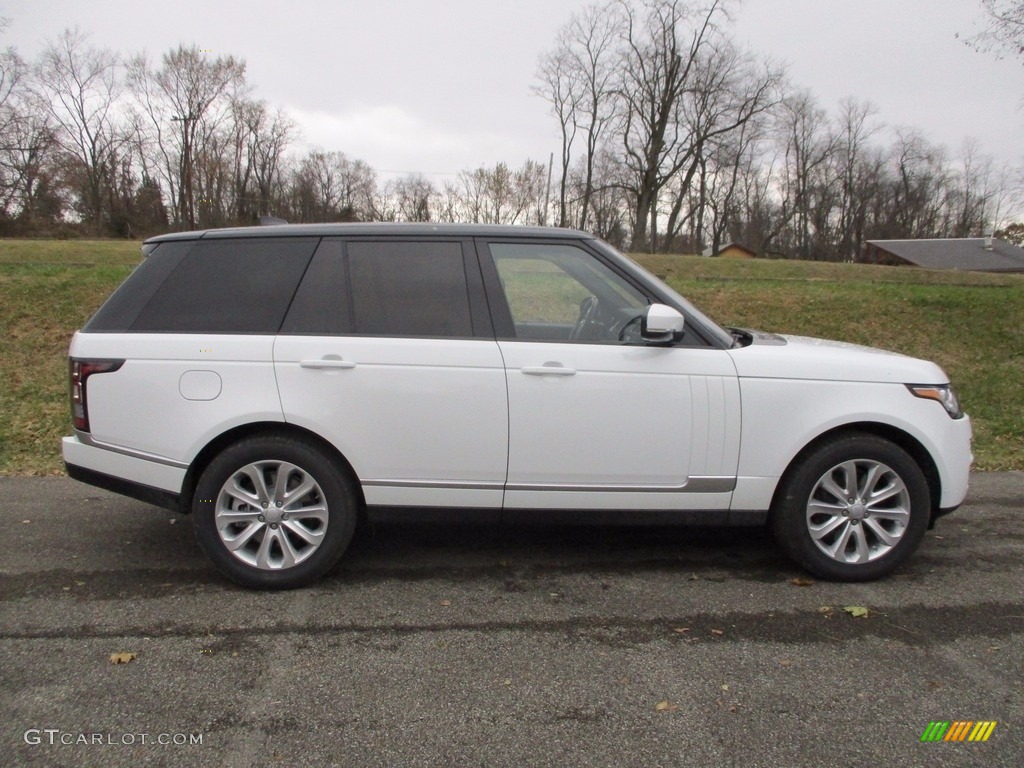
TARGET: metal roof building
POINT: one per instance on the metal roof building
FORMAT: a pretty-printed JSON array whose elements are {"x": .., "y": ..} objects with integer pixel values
[{"x": 976, "y": 254}]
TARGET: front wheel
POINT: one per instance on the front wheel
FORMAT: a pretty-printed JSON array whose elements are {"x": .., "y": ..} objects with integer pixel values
[
  {"x": 853, "y": 509},
  {"x": 273, "y": 512}
]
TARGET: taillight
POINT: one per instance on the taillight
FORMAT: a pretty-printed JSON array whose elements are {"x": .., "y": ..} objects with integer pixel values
[{"x": 80, "y": 371}]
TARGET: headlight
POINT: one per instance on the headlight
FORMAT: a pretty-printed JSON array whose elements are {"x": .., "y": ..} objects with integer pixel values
[{"x": 942, "y": 393}]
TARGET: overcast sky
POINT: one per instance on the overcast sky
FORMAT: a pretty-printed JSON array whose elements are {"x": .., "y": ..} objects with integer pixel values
[{"x": 438, "y": 87}]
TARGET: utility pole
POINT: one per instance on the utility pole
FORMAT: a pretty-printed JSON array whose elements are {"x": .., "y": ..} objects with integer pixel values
[
  {"x": 186, "y": 200},
  {"x": 547, "y": 195}
]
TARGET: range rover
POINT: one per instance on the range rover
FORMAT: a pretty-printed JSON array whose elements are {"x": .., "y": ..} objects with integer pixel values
[{"x": 280, "y": 383}]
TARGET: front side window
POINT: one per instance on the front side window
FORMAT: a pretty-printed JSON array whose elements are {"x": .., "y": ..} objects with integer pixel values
[{"x": 564, "y": 293}]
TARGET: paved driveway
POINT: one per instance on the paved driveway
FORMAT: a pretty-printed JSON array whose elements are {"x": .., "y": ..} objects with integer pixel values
[{"x": 495, "y": 647}]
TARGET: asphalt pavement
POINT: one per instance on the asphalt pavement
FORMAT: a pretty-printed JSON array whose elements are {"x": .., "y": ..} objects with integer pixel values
[{"x": 524, "y": 647}]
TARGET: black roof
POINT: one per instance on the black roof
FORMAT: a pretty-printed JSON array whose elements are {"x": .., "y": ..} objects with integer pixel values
[
  {"x": 374, "y": 229},
  {"x": 968, "y": 253}
]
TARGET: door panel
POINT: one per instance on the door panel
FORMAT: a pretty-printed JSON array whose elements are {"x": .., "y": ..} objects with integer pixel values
[
  {"x": 630, "y": 427},
  {"x": 423, "y": 421},
  {"x": 595, "y": 422}
]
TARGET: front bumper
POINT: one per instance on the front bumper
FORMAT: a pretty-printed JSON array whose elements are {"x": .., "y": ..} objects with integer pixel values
[{"x": 954, "y": 458}]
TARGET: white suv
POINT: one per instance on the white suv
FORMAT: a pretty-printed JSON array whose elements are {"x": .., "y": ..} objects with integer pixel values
[{"x": 281, "y": 382}]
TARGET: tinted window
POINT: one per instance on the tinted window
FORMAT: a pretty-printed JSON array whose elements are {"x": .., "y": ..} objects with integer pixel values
[
  {"x": 321, "y": 304},
  {"x": 122, "y": 308},
  {"x": 229, "y": 286},
  {"x": 409, "y": 289}
]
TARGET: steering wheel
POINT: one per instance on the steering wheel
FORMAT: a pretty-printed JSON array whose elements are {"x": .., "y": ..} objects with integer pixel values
[
  {"x": 628, "y": 330},
  {"x": 588, "y": 311}
]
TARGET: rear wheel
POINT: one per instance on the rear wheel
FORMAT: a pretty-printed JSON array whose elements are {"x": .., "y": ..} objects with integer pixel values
[
  {"x": 854, "y": 509},
  {"x": 274, "y": 512}
]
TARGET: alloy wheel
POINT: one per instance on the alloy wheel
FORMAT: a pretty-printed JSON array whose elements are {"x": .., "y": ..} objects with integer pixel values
[
  {"x": 858, "y": 511},
  {"x": 271, "y": 515}
]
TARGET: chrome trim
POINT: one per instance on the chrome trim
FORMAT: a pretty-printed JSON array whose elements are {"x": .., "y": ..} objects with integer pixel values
[
  {"x": 87, "y": 439},
  {"x": 442, "y": 484},
  {"x": 693, "y": 485}
]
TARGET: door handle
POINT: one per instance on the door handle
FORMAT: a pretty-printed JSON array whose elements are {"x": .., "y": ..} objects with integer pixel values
[
  {"x": 327, "y": 362},
  {"x": 548, "y": 369}
]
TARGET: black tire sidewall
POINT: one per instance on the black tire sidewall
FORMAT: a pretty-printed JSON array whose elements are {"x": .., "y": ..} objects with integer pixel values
[
  {"x": 341, "y": 503},
  {"x": 789, "y": 520}
]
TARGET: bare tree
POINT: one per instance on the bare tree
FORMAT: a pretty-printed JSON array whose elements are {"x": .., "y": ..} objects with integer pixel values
[
  {"x": 328, "y": 186},
  {"x": 27, "y": 180},
  {"x": 384, "y": 205},
  {"x": 77, "y": 87},
  {"x": 974, "y": 206},
  {"x": 609, "y": 204},
  {"x": 358, "y": 188},
  {"x": 449, "y": 203},
  {"x": 13, "y": 72},
  {"x": 729, "y": 91},
  {"x": 560, "y": 86},
  {"x": 661, "y": 49},
  {"x": 414, "y": 197},
  {"x": 587, "y": 53},
  {"x": 920, "y": 191},
  {"x": 661, "y": 81},
  {"x": 919, "y": 183},
  {"x": 501, "y": 195},
  {"x": 185, "y": 102},
  {"x": 808, "y": 148},
  {"x": 15, "y": 119},
  {"x": 1004, "y": 28},
  {"x": 858, "y": 170},
  {"x": 731, "y": 160},
  {"x": 268, "y": 135}
]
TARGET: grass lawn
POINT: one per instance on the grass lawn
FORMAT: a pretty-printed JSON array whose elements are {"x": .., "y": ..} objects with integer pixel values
[
  {"x": 971, "y": 324},
  {"x": 47, "y": 290}
]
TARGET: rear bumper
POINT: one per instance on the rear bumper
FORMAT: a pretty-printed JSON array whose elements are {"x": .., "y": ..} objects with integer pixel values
[
  {"x": 133, "y": 476},
  {"x": 145, "y": 493}
]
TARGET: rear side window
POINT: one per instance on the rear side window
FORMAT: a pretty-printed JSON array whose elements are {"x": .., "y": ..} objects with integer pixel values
[
  {"x": 229, "y": 286},
  {"x": 409, "y": 289},
  {"x": 124, "y": 305},
  {"x": 322, "y": 305},
  {"x": 384, "y": 288}
]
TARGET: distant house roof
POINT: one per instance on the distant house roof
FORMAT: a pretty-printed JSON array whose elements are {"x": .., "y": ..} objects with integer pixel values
[
  {"x": 736, "y": 249},
  {"x": 966, "y": 253}
]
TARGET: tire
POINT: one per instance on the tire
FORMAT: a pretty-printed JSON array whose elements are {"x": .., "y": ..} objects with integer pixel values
[
  {"x": 263, "y": 534},
  {"x": 825, "y": 518}
]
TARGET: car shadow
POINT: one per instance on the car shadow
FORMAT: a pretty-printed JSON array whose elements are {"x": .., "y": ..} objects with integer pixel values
[{"x": 463, "y": 551}]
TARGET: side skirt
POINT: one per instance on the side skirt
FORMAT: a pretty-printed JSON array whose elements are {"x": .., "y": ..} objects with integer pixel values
[{"x": 588, "y": 517}]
